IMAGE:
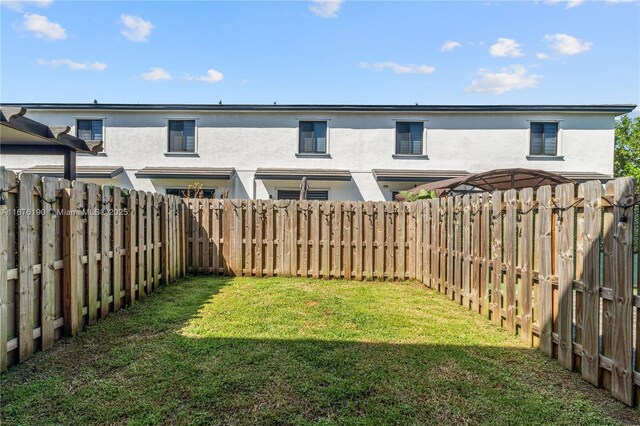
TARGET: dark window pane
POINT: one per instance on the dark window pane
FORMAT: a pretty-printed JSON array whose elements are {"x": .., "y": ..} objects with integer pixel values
[
  {"x": 550, "y": 138},
  {"x": 295, "y": 195},
  {"x": 320, "y": 133},
  {"x": 89, "y": 130},
  {"x": 181, "y": 192},
  {"x": 96, "y": 130},
  {"x": 536, "y": 139},
  {"x": 409, "y": 138},
  {"x": 182, "y": 136},
  {"x": 544, "y": 139},
  {"x": 313, "y": 137}
]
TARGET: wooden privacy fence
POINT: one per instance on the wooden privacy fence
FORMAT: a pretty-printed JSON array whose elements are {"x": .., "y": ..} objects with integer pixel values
[
  {"x": 320, "y": 239},
  {"x": 557, "y": 267},
  {"x": 553, "y": 266},
  {"x": 71, "y": 252}
]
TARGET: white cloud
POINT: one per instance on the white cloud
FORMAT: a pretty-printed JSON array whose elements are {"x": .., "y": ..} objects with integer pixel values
[
  {"x": 41, "y": 27},
  {"x": 505, "y": 47},
  {"x": 399, "y": 69},
  {"x": 19, "y": 5},
  {"x": 326, "y": 8},
  {"x": 569, "y": 4},
  {"x": 135, "y": 28},
  {"x": 156, "y": 74},
  {"x": 567, "y": 45},
  {"x": 212, "y": 76},
  {"x": 449, "y": 45},
  {"x": 542, "y": 55},
  {"x": 73, "y": 65},
  {"x": 510, "y": 78}
]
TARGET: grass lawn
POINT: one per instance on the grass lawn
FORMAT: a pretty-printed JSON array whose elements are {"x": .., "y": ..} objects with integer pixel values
[{"x": 290, "y": 350}]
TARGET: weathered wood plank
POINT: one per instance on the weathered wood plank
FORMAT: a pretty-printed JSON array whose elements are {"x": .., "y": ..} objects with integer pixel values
[
  {"x": 368, "y": 231},
  {"x": 486, "y": 254},
  {"x": 337, "y": 240},
  {"x": 106, "y": 281},
  {"x": 28, "y": 257},
  {"x": 466, "y": 251},
  {"x": 496, "y": 278},
  {"x": 591, "y": 280},
  {"x": 118, "y": 246},
  {"x": 326, "y": 239},
  {"x": 49, "y": 242},
  {"x": 475, "y": 253},
  {"x": 565, "y": 269},
  {"x": 426, "y": 241},
  {"x": 270, "y": 234},
  {"x": 260, "y": 216},
  {"x": 510, "y": 259},
  {"x": 73, "y": 282},
  {"x": 442, "y": 252},
  {"x": 7, "y": 182},
  {"x": 609, "y": 267},
  {"x": 525, "y": 305},
  {"x": 93, "y": 232},
  {"x": 622, "y": 350},
  {"x": 156, "y": 240},
  {"x": 141, "y": 243},
  {"x": 450, "y": 284},
  {"x": 130, "y": 242},
  {"x": 358, "y": 252},
  {"x": 316, "y": 217}
]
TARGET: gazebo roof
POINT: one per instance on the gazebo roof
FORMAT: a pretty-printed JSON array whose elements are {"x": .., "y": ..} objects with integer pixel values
[{"x": 492, "y": 180}]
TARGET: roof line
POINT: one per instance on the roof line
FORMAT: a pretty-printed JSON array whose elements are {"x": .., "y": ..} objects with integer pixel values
[{"x": 600, "y": 108}]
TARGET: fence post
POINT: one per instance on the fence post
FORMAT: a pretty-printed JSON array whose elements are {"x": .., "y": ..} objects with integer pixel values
[
  {"x": 543, "y": 254},
  {"x": 7, "y": 181},
  {"x": 130, "y": 253},
  {"x": 72, "y": 283},
  {"x": 622, "y": 361},
  {"x": 496, "y": 281},
  {"x": 526, "y": 252},
  {"x": 510, "y": 249},
  {"x": 564, "y": 264},
  {"x": 591, "y": 281}
]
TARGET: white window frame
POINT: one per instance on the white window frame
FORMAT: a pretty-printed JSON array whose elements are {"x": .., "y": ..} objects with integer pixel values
[
  {"x": 423, "y": 153},
  {"x": 166, "y": 137},
  {"x": 328, "y": 141},
  {"x": 559, "y": 143},
  {"x": 104, "y": 130}
]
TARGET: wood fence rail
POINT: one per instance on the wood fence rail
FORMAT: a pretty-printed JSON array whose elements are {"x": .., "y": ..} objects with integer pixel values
[
  {"x": 558, "y": 267},
  {"x": 71, "y": 252}
]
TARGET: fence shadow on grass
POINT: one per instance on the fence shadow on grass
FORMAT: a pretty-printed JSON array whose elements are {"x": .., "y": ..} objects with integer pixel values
[{"x": 140, "y": 366}]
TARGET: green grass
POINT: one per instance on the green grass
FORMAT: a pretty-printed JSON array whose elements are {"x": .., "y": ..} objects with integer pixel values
[{"x": 298, "y": 351}]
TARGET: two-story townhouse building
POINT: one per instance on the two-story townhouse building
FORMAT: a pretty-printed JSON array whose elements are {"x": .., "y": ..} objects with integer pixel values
[{"x": 347, "y": 152}]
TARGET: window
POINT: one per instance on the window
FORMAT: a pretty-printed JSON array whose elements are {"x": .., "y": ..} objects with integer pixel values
[
  {"x": 313, "y": 137},
  {"x": 181, "y": 192},
  {"x": 544, "y": 139},
  {"x": 295, "y": 195},
  {"x": 409, "y": 138},
  {"x": 89, "y": 130},
  {"x": 182, "y": 136}
]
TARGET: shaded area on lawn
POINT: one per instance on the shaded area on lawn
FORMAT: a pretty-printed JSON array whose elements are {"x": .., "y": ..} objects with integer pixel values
[{"x": 290, "y": 350}]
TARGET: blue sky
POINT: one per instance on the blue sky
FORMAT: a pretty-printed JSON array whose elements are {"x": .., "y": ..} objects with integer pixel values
[{"x": 321, "y": 52}]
